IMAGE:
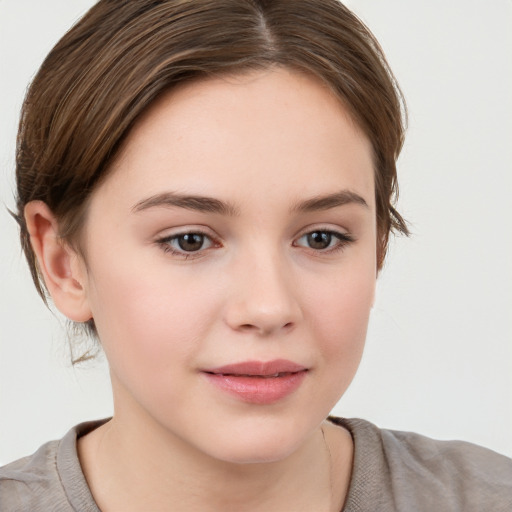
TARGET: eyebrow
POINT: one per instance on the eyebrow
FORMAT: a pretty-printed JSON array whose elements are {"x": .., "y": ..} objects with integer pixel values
[
  {"x": 211, "y": 205},
  {"x": 329, "y": 201},
  {"x": 190, "y": 202}
]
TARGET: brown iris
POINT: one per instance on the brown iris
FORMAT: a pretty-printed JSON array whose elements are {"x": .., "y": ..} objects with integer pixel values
[
  {"x": 319, "y": 239},
  {"x": 191, "y": 242}
]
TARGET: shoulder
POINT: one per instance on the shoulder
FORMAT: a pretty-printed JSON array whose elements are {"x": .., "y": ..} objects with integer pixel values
[
  {"x": 50, "y": 479},
  {"x": 444, "y": 458},
  {"x": 30, "y": 481},
  {"x": 414, "y": 472}
]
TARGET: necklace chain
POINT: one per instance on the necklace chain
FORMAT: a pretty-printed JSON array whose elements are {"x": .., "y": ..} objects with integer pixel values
[{"x": 329, "y": 455}]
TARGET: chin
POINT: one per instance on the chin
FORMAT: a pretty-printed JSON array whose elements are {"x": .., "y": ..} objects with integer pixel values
[
  {"x": 256, "y": 444},
  {"x": 254, "y": 454}
]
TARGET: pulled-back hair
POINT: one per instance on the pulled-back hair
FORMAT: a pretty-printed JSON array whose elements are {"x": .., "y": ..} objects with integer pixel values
[{"x": 123, "y": 54}]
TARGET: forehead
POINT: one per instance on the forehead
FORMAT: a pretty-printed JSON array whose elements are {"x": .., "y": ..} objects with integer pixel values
[{"x": 261, "y": 132}]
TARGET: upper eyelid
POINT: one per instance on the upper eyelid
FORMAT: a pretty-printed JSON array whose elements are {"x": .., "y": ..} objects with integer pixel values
[
  {"x": 322, "y": 227},
  {"x": 185, "y": 230}
]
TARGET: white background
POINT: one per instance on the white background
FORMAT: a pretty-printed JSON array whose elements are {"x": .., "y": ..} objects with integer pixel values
[{"x": 439, "y": 352}]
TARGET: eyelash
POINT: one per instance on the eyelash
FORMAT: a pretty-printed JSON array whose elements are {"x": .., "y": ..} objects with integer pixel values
[
  {"x": 165, "y": 244},
  {"x": 343, "y": 239}
]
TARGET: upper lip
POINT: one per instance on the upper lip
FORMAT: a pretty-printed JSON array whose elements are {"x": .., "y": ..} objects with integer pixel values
[{"x": 258, "y": 368}]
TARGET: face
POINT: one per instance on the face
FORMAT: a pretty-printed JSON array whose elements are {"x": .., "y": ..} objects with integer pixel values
[{"x": 231, "y": 264}]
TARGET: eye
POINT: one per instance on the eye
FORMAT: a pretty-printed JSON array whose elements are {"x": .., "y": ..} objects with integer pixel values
[
  {"x": 186, "y": 243},
  {"x": 324, "y": 240}
]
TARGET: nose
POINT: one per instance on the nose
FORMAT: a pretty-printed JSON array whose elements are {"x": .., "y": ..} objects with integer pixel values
[{"x": 263, "y": 298}]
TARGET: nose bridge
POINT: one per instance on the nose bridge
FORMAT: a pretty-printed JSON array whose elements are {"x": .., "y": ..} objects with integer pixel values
[{"x": 263, "y": 297}]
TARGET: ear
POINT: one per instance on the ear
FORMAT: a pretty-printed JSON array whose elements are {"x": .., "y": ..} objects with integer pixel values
[{"x": 63, "y": 271}]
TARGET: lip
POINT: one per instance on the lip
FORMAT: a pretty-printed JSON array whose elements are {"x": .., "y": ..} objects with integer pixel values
[{"x": 258, "y": 382}]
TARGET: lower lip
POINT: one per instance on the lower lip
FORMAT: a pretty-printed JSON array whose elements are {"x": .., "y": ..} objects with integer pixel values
[{"x": 258, "y": 390}]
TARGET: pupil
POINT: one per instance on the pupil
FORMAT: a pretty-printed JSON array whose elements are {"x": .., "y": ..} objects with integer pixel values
[
  {"x": 191, "y": 242},
  {"x": 319, "y": 240}
]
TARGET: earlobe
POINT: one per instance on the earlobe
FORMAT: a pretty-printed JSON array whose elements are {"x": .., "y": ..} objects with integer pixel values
[{"x": 62, "y": 270}]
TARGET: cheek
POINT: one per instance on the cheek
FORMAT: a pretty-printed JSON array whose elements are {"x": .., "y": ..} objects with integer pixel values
[
  {"x": 342, "y": 324},
  {"x": 149, "y": 318},
  {"x": 339, "y": 319}
]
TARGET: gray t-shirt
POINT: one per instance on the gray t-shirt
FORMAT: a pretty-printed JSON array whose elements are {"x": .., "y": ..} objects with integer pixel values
[{"x": 393, "y": 471}]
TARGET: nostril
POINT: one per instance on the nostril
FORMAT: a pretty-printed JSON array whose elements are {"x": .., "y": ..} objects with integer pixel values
[{"x": 264, "y": 329}]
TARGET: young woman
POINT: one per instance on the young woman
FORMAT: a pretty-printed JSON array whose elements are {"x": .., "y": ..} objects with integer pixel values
[{"x": 207, "y": 189}]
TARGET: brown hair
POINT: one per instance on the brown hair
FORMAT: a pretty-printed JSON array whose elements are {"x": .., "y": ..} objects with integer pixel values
[{"x": 107, "y": 70}]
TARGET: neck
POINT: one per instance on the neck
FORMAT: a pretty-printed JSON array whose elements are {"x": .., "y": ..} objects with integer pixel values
[{"x": 132, "y": 464}]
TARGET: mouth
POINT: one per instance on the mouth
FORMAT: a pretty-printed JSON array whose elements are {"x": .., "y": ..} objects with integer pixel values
[
  {"x": 273, "y": 376},
  {"x": 264, "y": 369},
  {"x": 258, "y": 382}
]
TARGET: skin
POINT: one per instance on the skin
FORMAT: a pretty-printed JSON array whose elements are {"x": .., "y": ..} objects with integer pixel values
[{"x": 256, "y": 289}]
